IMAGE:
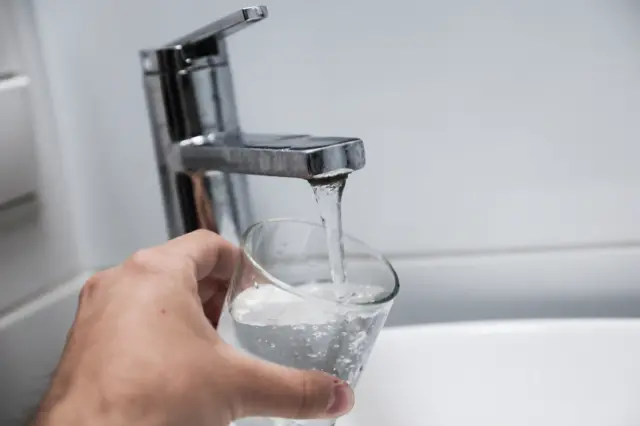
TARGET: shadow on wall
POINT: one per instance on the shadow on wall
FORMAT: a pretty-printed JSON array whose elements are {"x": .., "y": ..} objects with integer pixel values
[
  {"x": 592, "y": 283},
  {"x": 416, "y": 311}
]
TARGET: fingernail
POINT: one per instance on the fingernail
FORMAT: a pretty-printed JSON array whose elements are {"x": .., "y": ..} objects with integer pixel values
[{"x": 341, "y": 400}]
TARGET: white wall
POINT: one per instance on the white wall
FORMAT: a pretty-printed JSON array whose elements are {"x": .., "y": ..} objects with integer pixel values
[
  {"x": 500, "y": 135},
  {"x": 37, "y": 241}
]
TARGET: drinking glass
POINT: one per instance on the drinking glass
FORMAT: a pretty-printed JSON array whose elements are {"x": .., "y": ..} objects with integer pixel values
[{"x": 283, "y": 307}]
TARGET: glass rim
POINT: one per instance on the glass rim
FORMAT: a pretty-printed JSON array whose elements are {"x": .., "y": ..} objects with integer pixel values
[{"x": 375, "y": 254}]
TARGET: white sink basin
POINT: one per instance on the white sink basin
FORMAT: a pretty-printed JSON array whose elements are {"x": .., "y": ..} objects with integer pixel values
[{"x": 525, "y": 373}]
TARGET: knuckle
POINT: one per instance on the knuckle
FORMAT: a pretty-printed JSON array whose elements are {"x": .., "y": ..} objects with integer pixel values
[
  {"x": 153, "y": 261},
  {"x": 206, "y": 236},
  {"x": 204, "y": 233},
  {"x": 91, "y": 286},
  {"x": 146, "y": 259}
]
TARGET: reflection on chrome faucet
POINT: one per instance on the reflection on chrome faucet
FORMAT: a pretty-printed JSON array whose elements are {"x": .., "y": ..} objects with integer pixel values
[{"x": 202, "y": 153}]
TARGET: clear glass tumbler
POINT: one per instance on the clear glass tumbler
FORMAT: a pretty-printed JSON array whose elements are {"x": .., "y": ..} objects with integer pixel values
[{"x": 283, "y": 307}]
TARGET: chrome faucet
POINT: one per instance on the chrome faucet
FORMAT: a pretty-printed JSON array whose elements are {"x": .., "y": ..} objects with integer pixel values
[{"x": 201, "y": 152}]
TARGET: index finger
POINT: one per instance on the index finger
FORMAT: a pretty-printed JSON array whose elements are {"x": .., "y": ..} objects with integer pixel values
[{"x": 212, "y": 255}]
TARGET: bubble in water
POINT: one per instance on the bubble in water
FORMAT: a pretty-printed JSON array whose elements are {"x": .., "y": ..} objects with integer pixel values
[{"x": 305, "y": 335}]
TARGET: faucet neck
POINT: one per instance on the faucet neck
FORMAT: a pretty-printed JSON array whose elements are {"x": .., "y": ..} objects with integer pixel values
[{"x": 190, "y": 94}]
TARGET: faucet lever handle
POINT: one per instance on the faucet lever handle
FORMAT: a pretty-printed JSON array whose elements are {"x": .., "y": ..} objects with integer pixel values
[
  {"x": 202, "y": 43},
  {"x": 223, "y": 27}
]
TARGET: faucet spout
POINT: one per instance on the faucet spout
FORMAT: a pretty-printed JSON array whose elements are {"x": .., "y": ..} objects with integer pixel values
[{"x": 294, "y": 156}]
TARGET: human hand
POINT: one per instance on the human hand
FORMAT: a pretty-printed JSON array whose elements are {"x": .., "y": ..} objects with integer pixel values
[{"x": 143, "y": 350}]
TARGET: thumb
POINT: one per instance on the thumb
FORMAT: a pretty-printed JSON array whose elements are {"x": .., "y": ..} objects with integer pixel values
[{"x": 264, "y": 389}]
